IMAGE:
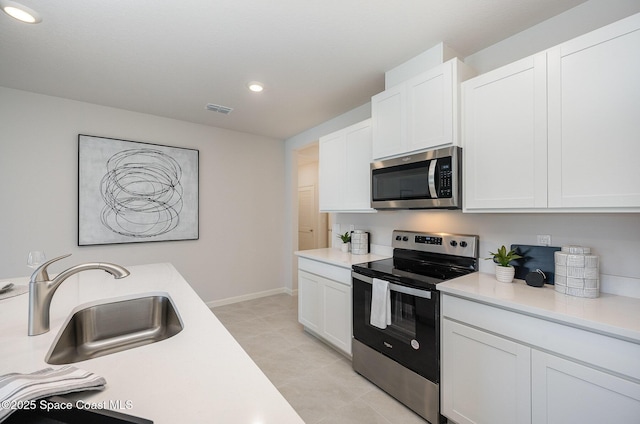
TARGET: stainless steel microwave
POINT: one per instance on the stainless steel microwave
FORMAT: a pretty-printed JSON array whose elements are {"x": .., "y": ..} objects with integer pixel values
[{"x": 427, "y": 180}]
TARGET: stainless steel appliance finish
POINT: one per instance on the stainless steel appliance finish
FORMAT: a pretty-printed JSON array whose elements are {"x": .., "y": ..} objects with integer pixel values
[
  {"x": 404, "y": 358},
  {"x": 42, "y": 289},
  {"x": 410, "y": 388},
  {"x": 115, "y": 326},
  {"x": 427, "y": 180}
]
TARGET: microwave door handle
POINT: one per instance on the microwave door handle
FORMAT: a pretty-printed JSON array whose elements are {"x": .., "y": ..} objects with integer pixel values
[{"x": 432, "y": 178}]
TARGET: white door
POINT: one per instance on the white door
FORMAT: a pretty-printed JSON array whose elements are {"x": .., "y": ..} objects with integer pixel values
[
  {"x": 485, "y": 378},
  {"x": 336, "y": 314},
  {"x": 430, "y": 108},
  {"x": 388, "y": 120},
  {"x": 309, "y": 287},
  {"x": 358, "y": 168},
  {"x": 564, "y": 392},
  {"x": 594, "y": 124},
  {"x": 307, "y": 222},
  {"x": 505, "y": 137}
]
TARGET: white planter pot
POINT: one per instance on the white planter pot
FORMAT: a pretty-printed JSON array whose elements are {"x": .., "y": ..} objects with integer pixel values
[
  {"x": 344, "y": 247},
  {"x": 505, "y": 274}
]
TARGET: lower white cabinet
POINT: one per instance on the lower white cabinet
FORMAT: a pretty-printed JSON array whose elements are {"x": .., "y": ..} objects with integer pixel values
[
  {"x": 564, "y": 391},
  {"x": 503, "y": 367},
  {"x": 324, "y": 308},
  {"x": 486, "y": 377}
]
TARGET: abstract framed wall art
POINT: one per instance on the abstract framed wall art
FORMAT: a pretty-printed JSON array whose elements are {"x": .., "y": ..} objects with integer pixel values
[{"x": 132, "y": 192}]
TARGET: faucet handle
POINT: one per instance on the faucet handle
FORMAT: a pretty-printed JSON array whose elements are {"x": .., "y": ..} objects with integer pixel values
[{"x": 41, "y": 274}]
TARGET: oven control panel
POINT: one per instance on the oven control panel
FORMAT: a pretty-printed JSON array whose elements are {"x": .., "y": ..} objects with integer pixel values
[{"x": 450, "y": 244}]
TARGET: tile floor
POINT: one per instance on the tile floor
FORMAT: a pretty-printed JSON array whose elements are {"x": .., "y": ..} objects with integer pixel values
[{"x": 316, "y": 380}]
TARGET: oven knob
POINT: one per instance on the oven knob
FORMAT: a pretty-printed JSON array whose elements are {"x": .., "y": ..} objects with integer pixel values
[
  {"x": 405, "y": 238},
  {"x": 463, "y": 244},
  {"x": 398, "y": 238},
  {"x": 453, "y": 243}
]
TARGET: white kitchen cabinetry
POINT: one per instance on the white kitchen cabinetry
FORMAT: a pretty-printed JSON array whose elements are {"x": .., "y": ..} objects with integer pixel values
[
  {"x": 569, "y": 392},
  {"x": 488, "y": 377},
  {"x": 420, "y": 113},
  {"x": 324, "y": 302},
  {"x": 505, "y": 137},
  {"x": 501, "y": 366},
  {"x": 344, "y": 168},
  {"x": 594, "y": 105},
  {"x": 557, "y": 131}
]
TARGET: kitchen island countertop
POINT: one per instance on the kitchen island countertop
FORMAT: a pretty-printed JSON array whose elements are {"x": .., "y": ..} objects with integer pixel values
[
  {"x": 611, "y": 315},
  {"x": 200, "y": 375}
]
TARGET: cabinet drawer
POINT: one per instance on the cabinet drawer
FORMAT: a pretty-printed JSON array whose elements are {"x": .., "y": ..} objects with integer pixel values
[{"x": 332, "y": 272}]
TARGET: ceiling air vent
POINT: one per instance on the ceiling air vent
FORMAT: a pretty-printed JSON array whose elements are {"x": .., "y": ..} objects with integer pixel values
[{"x": 218, "y": 108}]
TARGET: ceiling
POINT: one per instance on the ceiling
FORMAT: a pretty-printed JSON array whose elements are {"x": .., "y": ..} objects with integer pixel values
[{"x": 316, "y": 58}]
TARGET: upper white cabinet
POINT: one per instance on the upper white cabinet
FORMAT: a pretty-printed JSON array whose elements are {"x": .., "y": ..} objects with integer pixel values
[
  {"x": 594, "y": 125},
  {"x": 557, "y": 131},
  {"x": 505, "y": 137},
  {"x": 344, "y": 167},
  {"x": 420, "y": 113}
]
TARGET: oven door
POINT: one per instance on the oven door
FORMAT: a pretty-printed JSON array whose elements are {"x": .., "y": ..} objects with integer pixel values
[{"x": 412, "y": 338}]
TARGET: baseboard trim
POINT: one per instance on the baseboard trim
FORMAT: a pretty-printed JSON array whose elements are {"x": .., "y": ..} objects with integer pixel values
[{"x": 251, "y": 296}]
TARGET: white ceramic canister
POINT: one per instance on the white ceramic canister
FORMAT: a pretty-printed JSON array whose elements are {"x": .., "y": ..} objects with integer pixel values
[
  {"x": 577, "y": 272},
  {"x": 359, "y": 242}
]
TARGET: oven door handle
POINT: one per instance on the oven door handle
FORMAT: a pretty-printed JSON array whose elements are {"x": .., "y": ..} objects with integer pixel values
[{"x": 425, "y": 294}]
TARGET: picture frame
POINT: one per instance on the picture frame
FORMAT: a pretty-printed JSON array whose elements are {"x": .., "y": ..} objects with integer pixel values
[{"x": 133, "y": 192}]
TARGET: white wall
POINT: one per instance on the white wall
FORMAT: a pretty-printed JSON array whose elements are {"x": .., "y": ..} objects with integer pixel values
[
  {"x": 563, "y": 27},
  {"x": 616, "y": 237},
  {"x": 241, "y": 194}
]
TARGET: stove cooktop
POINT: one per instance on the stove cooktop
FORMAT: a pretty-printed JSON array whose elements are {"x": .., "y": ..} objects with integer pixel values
[{"x": 425, "y": 259}]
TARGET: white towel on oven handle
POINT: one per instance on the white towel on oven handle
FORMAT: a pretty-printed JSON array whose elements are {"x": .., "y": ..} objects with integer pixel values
[{"x": 380, "y": 304}]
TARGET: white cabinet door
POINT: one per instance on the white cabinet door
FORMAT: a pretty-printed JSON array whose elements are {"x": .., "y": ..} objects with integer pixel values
[
  {"x": 430, "y": 113},
  {"x": 418, "y": 114},
  {"x": 309, "y": 288},
  {"x": 594, "y": 125},
  {"x": 344, "y": 168},
  {"x": 567, "y": 392},
  {"x": 357, "y": 181},
  {"x": 505, "y": 137},
  {"x": 324, "y": 307},
  {"x": 389, "y": 122},
  {"x": 332, "y": 168},
  {"x": 485, "y": 379},
  {"x": 336, "y": 314}
]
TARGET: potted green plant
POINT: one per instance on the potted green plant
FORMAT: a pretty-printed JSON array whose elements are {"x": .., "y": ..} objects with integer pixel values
[
  {"x": 346, "y": 239},
  {"x": 504, "y": 270}
]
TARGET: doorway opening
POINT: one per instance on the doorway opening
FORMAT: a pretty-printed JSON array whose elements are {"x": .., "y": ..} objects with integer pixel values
[{"x": 313, "y": 226}]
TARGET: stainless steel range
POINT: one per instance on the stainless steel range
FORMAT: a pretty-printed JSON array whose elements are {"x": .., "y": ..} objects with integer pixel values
[{"x": 396, "y": 315}]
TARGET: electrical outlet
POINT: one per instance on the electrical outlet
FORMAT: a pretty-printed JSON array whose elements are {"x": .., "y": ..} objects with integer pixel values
[{"x": 544, "y": 239}]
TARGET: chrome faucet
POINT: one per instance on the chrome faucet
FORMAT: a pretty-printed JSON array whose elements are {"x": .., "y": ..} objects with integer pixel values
[{"x": 41, "y": 289}]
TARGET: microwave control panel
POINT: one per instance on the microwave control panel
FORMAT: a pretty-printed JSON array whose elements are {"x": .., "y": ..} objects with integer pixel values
[{"x": 445, "y": 173}]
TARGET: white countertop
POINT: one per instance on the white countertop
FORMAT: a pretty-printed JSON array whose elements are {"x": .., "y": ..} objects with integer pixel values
[
  {"x": 337, "y": 257},
  {"x": 200, "y": 375},
  {"x": 612, "y": 315}
]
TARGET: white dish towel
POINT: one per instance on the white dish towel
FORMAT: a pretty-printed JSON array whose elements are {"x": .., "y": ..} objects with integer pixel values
[
  {"x": 16, "y": 388},
  {"x": 380, "y": 304}
]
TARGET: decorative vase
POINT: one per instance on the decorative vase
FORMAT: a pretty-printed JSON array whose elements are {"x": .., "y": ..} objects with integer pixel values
[
  {"x": 345, "y": 247},
  {"x": 505, "y": 274}
]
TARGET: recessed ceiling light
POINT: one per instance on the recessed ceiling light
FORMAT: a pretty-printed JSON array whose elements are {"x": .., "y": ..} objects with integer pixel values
[
  {"x": 20, "y": 12},
  {"x": 255, "y": 86}
]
